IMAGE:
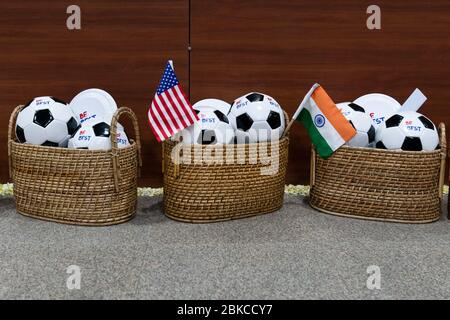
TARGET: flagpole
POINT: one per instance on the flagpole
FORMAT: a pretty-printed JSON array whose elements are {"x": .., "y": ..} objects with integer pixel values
[{"x": 300, "y": 108}]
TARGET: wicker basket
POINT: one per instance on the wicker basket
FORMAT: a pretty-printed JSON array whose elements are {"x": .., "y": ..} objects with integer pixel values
[
  {"x": 398, "y": 186},
  {"x": 81, "y": 187},
  {"x": 210, "y": 192}
]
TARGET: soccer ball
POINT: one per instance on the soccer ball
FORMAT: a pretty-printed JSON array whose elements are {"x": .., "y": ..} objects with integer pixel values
[
  {"x": 407, "y": 130},
  {"x": 361, "y": 121},
  {"x": 378, "y": 106},
  {"x": 212, "y": 128},
  {"x": 96, "y": 136},
  {"x": 216, "y": 104},
  {"x": 256, "y": 117},
  {"x": 46, "y": 121}
]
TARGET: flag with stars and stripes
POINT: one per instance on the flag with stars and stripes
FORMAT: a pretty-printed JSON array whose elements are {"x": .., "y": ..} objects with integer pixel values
[{"x": 170, "y": 111}]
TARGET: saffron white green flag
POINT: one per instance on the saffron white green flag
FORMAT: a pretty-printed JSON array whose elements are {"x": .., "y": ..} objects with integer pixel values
[{"x": 326, "y": 125}]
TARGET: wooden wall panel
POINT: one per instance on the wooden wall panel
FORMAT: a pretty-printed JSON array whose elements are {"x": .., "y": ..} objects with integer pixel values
[
  {"x": 282, "y": 47},
  {"x": 278, "y": 47},
  {"x": 122, "y": 47}
]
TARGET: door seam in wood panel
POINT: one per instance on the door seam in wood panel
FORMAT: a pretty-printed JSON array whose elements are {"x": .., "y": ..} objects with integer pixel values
[{"x": 189, "y": 49}]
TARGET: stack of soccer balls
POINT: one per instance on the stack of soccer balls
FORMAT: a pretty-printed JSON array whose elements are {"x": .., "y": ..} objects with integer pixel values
[
  {"x": 85, "y": 123},
  {"x": 380, "y": 122},
  {"x": 254, "y": 117}
]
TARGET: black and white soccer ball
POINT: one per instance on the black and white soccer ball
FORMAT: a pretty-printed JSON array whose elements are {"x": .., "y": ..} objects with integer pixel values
[
  {"x": 257, "y": 117},
  {"x": 96, "y": 136},
  {"x": 409, "y": 131},
  {"x": 213, "y": 127},
  {"x": 46, "y": 121},
  {"x": 361, "y": 121}
]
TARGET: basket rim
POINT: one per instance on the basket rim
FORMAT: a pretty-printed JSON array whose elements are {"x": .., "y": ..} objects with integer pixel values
[
  {"x": 390, "y": 151},
  {"x": 442, "y": 146},
  {"x": 193, "y": 219},
  {"x": 82, "y": 222},
  {"x": 282, "y": 139},
  {"x": 71, "y": 150},
  {"x": 379, "y": 219}
]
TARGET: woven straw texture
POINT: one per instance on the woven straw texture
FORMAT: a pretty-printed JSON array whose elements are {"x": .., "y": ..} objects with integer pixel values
[
  {"x": 81, "y": 187},
  {"x": 200, "y": 192},
  {"x": 398, "y": 186}
]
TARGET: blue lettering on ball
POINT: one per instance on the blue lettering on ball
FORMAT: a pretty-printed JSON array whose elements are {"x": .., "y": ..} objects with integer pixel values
[
  {"x": 414, "y": 128},
  {"x": 378, "y": 120},
  {"x": 88, "y": 118},
  {"x": 241, "y": 104}
]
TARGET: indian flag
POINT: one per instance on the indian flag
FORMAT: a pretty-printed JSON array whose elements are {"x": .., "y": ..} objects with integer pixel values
[{"x": 326, "y": 126}]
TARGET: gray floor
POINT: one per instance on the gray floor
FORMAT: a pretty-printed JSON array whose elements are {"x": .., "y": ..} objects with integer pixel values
[{"x": 296, "y": 253}]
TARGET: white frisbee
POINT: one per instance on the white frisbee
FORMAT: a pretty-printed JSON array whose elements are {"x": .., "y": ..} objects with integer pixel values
[
  {"x": 93, "y": 104},
  {"x": 216, "y": 104},
  {"x": 378, "y": 106}
]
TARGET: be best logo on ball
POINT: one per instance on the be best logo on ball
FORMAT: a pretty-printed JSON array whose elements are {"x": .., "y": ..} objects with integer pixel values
[{"x": 51, "y": 122}]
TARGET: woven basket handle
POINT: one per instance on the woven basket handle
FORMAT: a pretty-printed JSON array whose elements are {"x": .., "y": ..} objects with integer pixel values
[
  {"x": 443, "y": 144},
  {"x": 11, "y": 130},
  {"x": 113, "y": 136},
  {"x": 287, "y": 125},
  {"x": 312, "y": 168}
]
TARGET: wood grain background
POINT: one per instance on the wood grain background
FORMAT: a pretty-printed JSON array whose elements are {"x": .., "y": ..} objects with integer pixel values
[
  {"x": 122, "y": 47},
  {"x": 282, "y": 47},
  {"x": 278, "y": 47}
]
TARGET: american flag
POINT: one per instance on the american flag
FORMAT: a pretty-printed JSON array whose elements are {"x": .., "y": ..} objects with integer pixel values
[{"x": 170, "y": 111}]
